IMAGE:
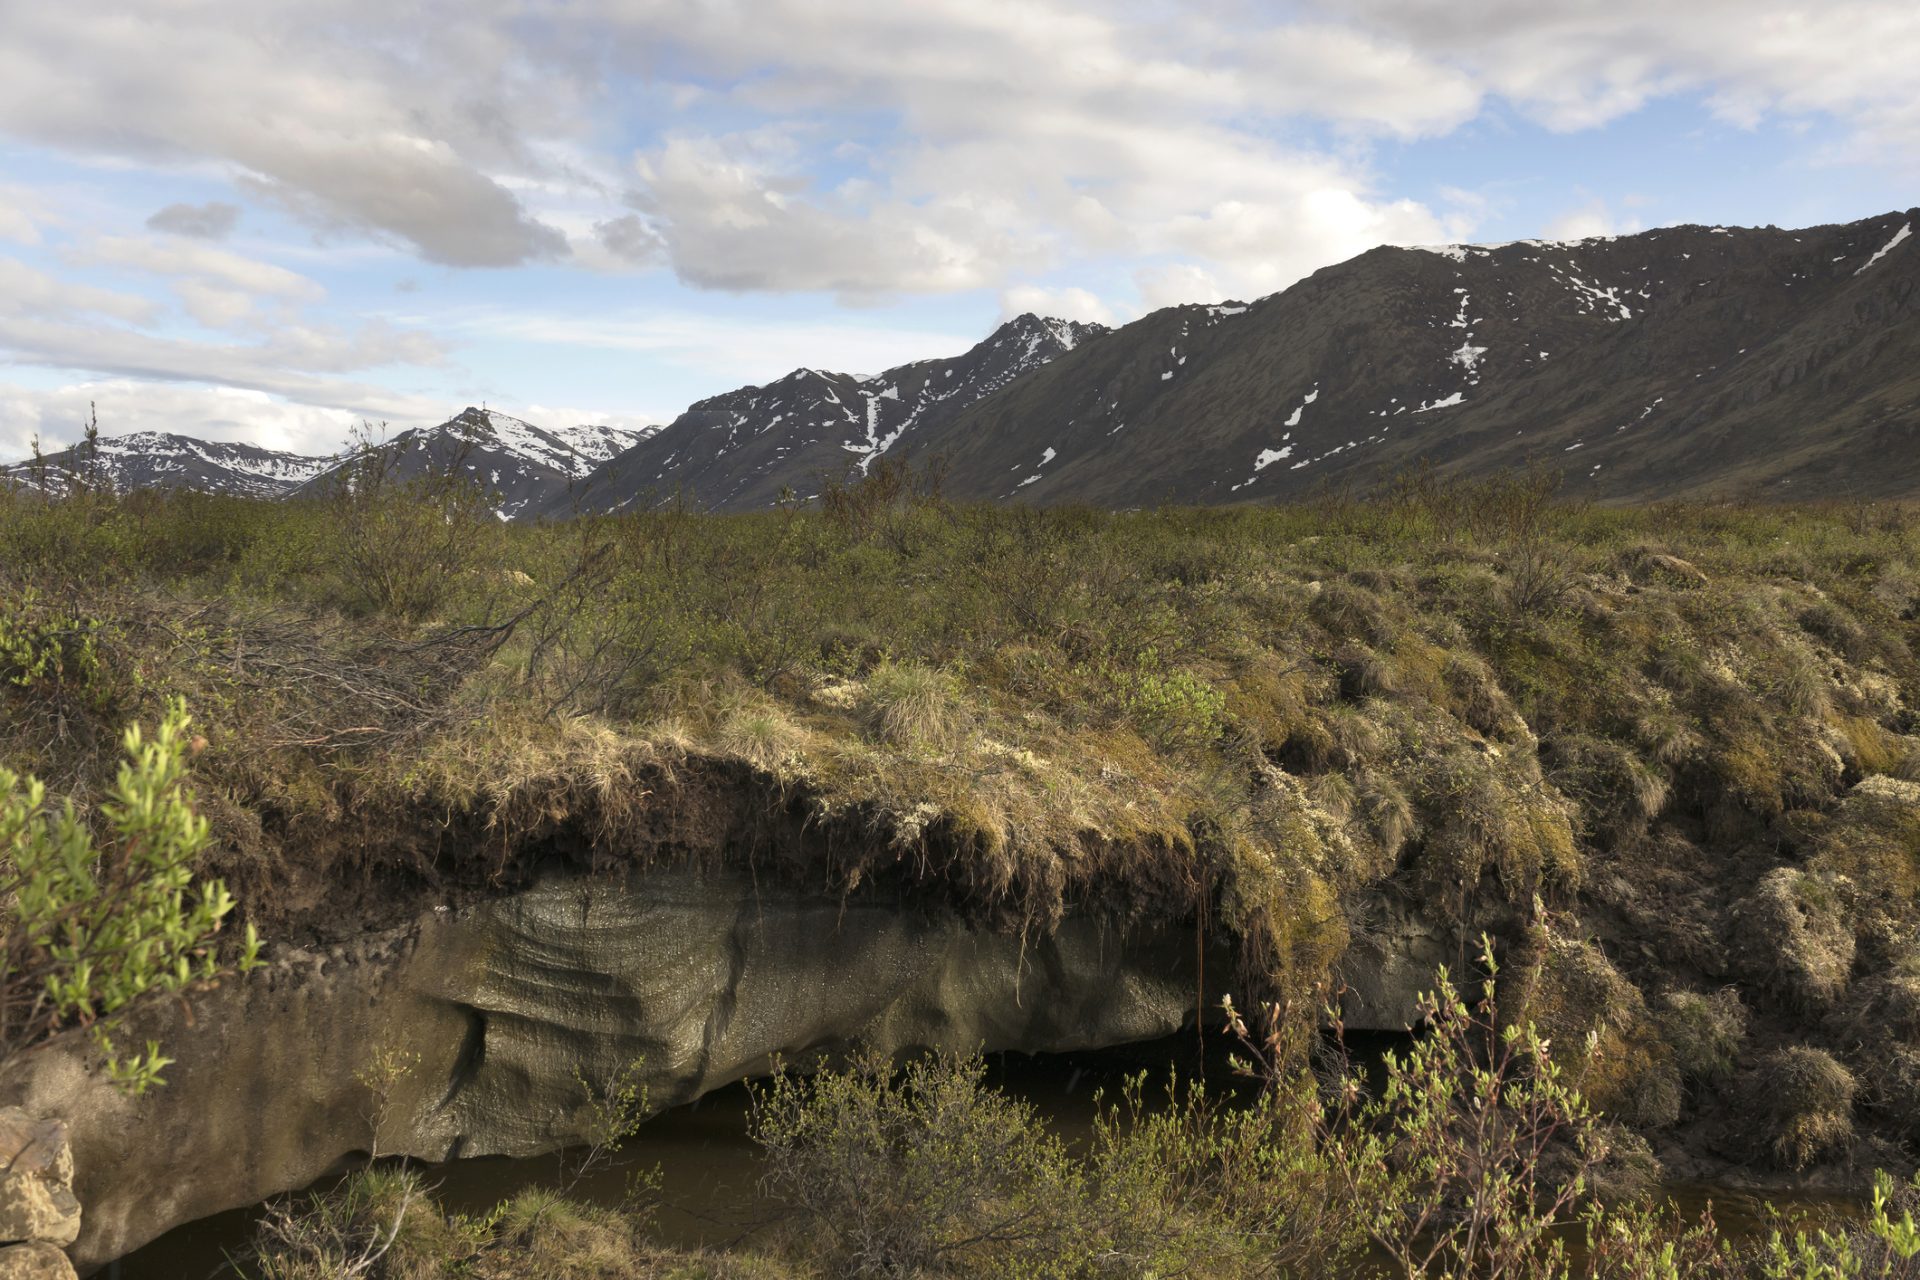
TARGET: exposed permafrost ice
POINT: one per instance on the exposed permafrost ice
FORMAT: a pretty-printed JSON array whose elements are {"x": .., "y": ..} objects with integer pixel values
[{"x": 1906, "y": 229}]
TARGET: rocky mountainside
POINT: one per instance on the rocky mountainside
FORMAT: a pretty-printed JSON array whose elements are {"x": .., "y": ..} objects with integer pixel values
[
  {"x": 161, "y": 460},
  {"x": 1703, "y": 361},
  {"x": 528, "y": 467},
  {"x": 742, "y": 449},
  {"x": 1686, "y": 361}
]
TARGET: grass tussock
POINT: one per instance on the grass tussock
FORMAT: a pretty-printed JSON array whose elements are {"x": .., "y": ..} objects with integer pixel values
[{"x": 1805, "y": 1100}]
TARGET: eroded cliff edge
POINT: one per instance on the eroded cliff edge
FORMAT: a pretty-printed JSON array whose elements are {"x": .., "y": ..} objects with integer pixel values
[{"x": 504, "y": 1005}]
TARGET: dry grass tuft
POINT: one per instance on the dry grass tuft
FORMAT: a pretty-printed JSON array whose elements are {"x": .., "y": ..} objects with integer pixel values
[{"x": 910, "y": 704}]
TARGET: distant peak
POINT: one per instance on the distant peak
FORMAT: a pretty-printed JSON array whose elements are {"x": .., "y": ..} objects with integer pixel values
[{"x": 1037, "y": 330}]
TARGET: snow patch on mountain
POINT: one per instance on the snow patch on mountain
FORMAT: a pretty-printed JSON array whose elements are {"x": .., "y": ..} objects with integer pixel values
[{"x": 1906, "y": 229}]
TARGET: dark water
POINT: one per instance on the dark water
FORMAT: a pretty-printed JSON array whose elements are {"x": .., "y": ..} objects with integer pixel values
[{"x": 710, "y": 1167}]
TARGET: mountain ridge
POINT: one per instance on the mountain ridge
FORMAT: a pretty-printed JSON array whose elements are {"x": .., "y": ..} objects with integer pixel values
[
  {"x": 746, "y": 447},
  {"x": 1686, "y": 361}
]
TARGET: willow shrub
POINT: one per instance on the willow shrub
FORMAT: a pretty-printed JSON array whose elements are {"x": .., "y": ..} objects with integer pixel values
[{"x": 93, "y": 926}]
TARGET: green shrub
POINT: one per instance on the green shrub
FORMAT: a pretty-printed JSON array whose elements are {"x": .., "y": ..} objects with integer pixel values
[
  {"x": 40, "y": 642},
  {"x": 93, "y": 928},
  {"x": 1176, "y": 711},
  {"x": 927, "y": 1174}
]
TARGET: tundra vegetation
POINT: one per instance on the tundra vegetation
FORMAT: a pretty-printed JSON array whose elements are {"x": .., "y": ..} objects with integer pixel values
[{"x": 1665, "y": 756}]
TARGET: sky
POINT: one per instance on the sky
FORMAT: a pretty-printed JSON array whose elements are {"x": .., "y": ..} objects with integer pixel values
[{"x": 270, "y": 221}]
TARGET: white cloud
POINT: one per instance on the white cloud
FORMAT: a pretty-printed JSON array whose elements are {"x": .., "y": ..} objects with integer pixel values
[
  {"x": 1029, "y": 136},
  {"x": 629, "y": 239},
  {"x": 1574, "y": 64},
  {"x": 730, "y": 218},
  {"x": 1592, "y": 218},
  {"x": 1170, "y": 284},
  {"x": 299, "y": 364},
  {"x": 28, "y": 291},
  {"x": 127, "y": 405},
  {"x": 1066, "y": 302},
  {"x": 355, "y": 114},
  {"x": 733, "y": 351},
  {"x": 178, "y": 259},
  {"x": 21, "y": 212},
  {"x": 550, "y": 415},
  {"x": 218, "y": 289}
]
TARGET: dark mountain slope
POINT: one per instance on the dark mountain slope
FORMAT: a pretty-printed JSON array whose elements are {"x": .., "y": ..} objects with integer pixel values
[
  {"x": 1689, "y": 360},
  {"x": 740, "y": 450}
]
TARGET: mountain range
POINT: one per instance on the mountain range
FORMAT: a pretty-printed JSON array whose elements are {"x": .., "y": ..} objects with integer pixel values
[
  {"x": 1687, "y": 361},
  {"x": 162, "y": 460}
]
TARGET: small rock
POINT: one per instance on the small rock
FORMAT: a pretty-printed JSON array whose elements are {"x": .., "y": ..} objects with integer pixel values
[
  {"x": 1646, "y": 567},
  {"x": 34, "y": 1146},
  {"x": 33, "y": 1208},
  {"x": 36, "y": 1261}
]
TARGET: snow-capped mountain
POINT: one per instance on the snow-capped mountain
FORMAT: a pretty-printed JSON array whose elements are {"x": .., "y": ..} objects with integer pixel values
[
  {"x": 525, "y": 466},
  {"x": 1685, "y": 361},
  {"x": 161, "y": 460},
  {"x": 740, "y": 450}
]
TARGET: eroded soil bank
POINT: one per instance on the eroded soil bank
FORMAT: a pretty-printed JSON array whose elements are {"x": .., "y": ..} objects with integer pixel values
[{"x": 510, "y": 1013}]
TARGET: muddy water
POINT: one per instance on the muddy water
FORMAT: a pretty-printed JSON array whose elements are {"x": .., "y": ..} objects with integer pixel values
[{"x": 711, "y": 1170}]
